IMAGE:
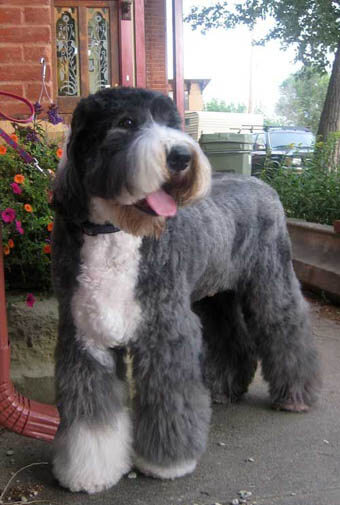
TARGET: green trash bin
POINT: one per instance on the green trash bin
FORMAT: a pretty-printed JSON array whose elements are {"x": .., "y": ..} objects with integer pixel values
[{"x": 228, "y": 152}]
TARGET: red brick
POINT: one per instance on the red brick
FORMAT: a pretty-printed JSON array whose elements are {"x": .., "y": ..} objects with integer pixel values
[
  {"x": 32, "y": 90},
  {"x": 25, "y": 34},
  {"x": 15, "y": 109},
  {"x": 10, "y": 54},
  {"x": 16, "y": 89},
  {"x": 10, "y": 15},
  {"x": 37, "y": 16},
  {"x": 155, "y": 44},
  {"x": 20, "y": 73},
  {"x": 34, "y": 53},
  {"x": 25, "y": 2}
]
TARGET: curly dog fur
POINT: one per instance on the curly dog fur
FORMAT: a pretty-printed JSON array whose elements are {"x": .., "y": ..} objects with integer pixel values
[{"x": 194, "y": 278}]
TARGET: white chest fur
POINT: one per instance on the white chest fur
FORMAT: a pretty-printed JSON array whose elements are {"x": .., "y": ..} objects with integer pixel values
[{"x": 104, "y": 308}]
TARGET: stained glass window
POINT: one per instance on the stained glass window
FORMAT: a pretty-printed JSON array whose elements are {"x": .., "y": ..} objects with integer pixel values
[
  {"x": 67, "y": 51},
  {"x": 98, "y": 48}
]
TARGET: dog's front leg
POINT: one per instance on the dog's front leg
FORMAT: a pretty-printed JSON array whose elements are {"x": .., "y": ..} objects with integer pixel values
[
  {"x": 172, "y": 407},
  {"x": 92, "y": 446}
]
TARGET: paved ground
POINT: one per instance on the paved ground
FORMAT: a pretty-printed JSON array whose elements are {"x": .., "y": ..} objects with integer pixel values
[{"x": 294, "y": 458}]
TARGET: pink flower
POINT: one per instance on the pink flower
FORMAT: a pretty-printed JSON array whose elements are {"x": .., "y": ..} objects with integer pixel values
[
  {"x": 19, "y": 227},
  {"x": 30, "y": 299},
  {"x": 16, "y": 188},
  {"x": 8, "y": 215}
]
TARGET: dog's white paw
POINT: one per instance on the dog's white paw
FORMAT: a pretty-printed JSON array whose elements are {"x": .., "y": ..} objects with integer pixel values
[
  {"x": 93, "y": 458},
  {"x": 165, "y": 472}
]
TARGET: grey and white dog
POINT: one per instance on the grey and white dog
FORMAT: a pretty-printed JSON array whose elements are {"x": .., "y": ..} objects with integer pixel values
[{"x": 194, "y": 279}]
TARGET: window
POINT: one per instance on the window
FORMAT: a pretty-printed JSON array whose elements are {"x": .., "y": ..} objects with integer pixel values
[
  {"x": 260, "y": 142},
  {"x": 86, "y": 49},
  {"x": 286, "y": 140}
]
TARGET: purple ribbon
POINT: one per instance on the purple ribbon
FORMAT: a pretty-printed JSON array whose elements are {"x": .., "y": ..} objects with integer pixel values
[{"x": 25, "y": 156}]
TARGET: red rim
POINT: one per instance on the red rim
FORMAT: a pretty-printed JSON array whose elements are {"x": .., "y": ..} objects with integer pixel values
[{"x": 21, "y": 99}]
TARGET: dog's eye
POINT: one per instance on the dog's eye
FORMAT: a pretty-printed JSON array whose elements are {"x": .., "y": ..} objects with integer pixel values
[{"x": 126, "y": 123}]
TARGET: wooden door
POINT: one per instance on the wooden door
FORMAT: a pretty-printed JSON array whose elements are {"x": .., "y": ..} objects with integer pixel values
[{"x": 86, "y": 55}]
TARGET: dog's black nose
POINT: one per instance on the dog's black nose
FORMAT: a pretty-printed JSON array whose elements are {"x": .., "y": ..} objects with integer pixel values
[{"x": 179, "y": 158}]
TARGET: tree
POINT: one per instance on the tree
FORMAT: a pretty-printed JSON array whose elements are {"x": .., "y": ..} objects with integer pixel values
[
  {"x": 302, "y": 98},
  {"x": 215, "y": 105},
  {"x": 311, "y": 26}
]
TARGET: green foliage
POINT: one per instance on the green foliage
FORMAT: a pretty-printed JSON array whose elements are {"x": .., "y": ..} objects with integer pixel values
[
  {"x": 311, "y": 25},
  {"x": 215, "y": 105},
  {"x": 312, "y": 194},
  {"x": 25, "y": 191},
  {"x": 301, "y": 100}
]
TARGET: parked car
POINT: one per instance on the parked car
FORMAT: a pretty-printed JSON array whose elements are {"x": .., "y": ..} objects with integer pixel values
[{"x": 289, "y": 146}]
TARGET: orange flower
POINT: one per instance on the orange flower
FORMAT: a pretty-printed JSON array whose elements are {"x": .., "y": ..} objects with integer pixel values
[
  {"x": 14, "y": 137},
  {"x": 59, "y": 152},
  {"x": 47, "y": 249},
  {"x": 28, "y": 207},
  {"x": 10, "y": 243},
  {"x": 50, "y": 226},
  {"x": 3, "y": 149},
  {"x": 6, "y": 250},
  {"x": 19, "y": 179}
]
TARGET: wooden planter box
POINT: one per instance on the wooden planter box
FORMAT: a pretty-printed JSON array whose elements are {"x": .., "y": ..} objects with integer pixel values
[{"x": 316, "y": 256}]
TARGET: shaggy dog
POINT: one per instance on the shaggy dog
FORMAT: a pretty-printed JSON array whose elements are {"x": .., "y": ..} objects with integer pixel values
[{"x": 197, "y": 295}]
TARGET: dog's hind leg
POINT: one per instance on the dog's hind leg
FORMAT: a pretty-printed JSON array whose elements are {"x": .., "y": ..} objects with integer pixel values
[
  {"x": 229, "y": 358},
  {"x": 280, "y": 321},
  {"x": 93, "y": 444},
  {"x": 172, "y": 406}
]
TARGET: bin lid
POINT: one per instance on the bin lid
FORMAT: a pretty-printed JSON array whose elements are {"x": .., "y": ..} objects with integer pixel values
[{"x": 241, "y": 138}]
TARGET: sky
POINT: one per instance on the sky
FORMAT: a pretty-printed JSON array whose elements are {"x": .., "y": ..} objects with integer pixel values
[{"x": 225, "y": 58}]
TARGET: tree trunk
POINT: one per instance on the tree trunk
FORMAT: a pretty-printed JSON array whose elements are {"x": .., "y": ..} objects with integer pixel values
[{"x": 330, "y": 116}]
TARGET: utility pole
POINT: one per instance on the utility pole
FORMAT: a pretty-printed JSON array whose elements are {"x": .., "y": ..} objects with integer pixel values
[{"x": 250, "y": 96}]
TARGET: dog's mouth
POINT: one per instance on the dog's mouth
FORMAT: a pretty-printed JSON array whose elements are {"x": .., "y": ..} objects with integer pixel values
[{"x": 158, "y": 203}]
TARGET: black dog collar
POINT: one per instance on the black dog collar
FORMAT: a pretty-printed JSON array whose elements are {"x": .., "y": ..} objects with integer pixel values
[{"x": 93, "y": 229}]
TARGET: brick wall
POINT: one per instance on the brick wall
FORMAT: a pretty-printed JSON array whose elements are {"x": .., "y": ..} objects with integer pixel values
[
  {"x": 155, "y": 45},
  {"x": 25, "y": 36}
]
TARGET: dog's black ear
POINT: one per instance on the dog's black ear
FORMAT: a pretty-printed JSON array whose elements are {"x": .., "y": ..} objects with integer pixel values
[
  {"x": 69, "y": 196},
  {"x": 164, "y": 109}
]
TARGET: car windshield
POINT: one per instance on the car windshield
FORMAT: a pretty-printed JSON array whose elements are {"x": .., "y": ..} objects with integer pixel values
[{"x": 289, "y": 140}]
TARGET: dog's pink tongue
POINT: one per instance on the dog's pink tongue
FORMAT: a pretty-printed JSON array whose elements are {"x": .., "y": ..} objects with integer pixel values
[{"x": 162, "y": 203}]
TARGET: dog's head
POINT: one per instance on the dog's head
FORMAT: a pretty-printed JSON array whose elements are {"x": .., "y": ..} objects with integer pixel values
[{"x": 128, "y": 162}]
